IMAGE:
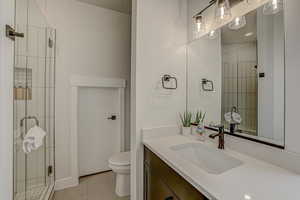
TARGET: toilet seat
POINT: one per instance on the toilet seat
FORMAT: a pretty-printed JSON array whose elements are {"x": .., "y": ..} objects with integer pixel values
[{"x": 120, "y": 159}]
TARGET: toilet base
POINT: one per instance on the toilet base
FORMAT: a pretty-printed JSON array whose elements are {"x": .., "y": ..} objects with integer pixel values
[{"x": 123, "y": 185}]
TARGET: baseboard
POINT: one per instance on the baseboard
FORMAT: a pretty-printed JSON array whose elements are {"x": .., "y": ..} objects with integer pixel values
[
  {"x": 48, "y": 195},
  {"x": 64, "y": 183}
]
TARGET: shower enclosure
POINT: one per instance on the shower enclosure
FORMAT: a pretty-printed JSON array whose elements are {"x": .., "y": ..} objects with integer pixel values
[
  {"x": 239, "y": 82},
  {"x": 34, "y": 95}
]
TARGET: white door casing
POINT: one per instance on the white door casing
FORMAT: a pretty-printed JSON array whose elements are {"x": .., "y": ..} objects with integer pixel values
[{"x": 76, "y": 83}]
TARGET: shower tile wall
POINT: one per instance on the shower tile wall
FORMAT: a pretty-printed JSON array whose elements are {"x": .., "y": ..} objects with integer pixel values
[{"x": 240, "y": 83}]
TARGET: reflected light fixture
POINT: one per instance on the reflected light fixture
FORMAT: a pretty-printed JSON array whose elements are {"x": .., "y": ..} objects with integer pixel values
[
  {"x": 249, "y": 34},
  {"x": 212, "y": 34},
  {"x": 223, "y": 10},
  {"x": 237, "y": 23},
  {"x": 273, "y": 7},
  {"x": 247, "y": 197}
]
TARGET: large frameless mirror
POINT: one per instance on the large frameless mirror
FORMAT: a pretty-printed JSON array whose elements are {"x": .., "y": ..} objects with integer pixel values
[{"x": 237, "y": 76}]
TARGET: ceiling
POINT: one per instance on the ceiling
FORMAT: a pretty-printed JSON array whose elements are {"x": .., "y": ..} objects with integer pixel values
[{"x": 123, "y": 6}]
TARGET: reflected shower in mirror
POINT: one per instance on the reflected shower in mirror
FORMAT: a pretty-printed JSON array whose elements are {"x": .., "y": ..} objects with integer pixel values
[{"x": 246, "y": 66}]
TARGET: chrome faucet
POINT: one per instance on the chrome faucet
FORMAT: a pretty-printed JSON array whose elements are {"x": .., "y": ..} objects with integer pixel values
[{"x": 220, "y": 135}]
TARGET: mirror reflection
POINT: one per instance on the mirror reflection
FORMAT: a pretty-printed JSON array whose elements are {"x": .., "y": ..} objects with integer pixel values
[{"x": 237, "y": 76}]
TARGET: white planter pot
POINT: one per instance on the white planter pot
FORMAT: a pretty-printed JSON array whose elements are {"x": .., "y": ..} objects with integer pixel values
[{"x": 186, "y": 130}]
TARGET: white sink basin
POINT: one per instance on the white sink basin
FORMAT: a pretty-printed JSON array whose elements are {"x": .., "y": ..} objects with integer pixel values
[{"x": 212, "y": 160}]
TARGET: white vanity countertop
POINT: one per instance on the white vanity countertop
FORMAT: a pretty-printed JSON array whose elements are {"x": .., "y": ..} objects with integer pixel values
[{"x": 253, "y": 180}]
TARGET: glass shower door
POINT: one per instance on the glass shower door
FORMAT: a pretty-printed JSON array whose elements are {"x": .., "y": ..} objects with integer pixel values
[
  {"x": 20, "y": 96},
  {"x": 34, "y": 74}
]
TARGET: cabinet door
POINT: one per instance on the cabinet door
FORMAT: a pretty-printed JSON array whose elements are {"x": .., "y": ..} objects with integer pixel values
[
  {"x": 155, "y": 188},
  {"x": 163, "y": 183},
  {"x": 158, "y": 190}
]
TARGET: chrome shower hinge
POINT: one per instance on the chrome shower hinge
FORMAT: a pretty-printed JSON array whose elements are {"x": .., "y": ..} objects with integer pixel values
[
  {"x": 50, "y": 43},
  {"x": 50, "y": 170}
]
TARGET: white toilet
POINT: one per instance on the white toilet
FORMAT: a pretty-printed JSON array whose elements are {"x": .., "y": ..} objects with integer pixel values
[{"x": 120, "y": 164}]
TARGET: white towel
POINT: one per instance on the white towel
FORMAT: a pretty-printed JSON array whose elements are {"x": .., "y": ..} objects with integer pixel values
[
  {"x": 233, "y": 117},
  {"x": 33, "y": 139}
]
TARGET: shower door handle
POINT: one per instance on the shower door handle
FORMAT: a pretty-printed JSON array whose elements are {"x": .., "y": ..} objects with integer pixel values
[{"x": 11, "y": 33}]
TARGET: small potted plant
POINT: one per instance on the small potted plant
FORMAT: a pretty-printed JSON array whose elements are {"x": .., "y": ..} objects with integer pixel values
[{"x": 186, "y": 120}]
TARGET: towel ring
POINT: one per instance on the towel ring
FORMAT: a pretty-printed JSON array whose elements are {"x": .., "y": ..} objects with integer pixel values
[
  {"x": 29, "y": 117},
  {"x": 206, "y": 82},
  {"x": 168, "y": 78},
  {"x": 22, "y": 124}
]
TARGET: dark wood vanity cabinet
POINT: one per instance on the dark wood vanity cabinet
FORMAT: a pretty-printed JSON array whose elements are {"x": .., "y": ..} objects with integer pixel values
[{"x": 162, "y": 183}]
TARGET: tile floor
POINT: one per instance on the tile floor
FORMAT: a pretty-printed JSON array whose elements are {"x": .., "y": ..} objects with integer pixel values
[
  {"x": 97, "y": 187},
  {"x": 33, "y": 194}
]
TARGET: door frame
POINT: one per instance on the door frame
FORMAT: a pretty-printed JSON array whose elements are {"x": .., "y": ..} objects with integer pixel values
[
  {"x": 7, "y": 16},
  {"x": 76, "y": 83}
]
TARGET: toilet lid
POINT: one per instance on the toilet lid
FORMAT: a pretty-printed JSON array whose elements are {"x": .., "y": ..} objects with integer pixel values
[{"x": 122, "y": 158}]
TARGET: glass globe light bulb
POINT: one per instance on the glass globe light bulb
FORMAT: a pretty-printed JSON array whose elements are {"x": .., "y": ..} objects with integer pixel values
[
  {"x": 223, "y": 10},
  {"x": 273, "y": 7},
  {"x": 237, "y": 23},
  {"x": 200, "y": 25}
]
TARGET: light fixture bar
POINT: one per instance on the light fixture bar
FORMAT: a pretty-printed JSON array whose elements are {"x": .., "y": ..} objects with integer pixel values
[{"x": 212, "y": 2}]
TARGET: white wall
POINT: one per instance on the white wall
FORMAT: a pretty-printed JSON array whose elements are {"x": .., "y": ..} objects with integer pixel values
[
  {"x": 292, "y": 24},
  {"x": 160, "y": 35},
  {"x": 6, "y": 101},
  {"x": 270, "y": 49},
  {"x": 91, "y": 41}
]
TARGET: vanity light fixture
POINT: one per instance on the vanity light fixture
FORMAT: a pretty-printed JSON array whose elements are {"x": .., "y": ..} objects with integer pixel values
[
  {"x": 223, "y": 10},
  {"x": 273, "y": 7},
  {"x": 200, "y": 25},
  {"x": 237, "y": 23}
]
